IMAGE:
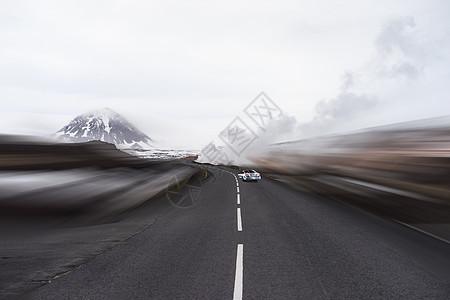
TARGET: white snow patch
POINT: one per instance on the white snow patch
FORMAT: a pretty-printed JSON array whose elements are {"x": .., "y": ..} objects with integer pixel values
[
  {"x": 166, "y": 154},
  {"x": 87, "y": 127},
  {"x": 72, "y": 134},
  {"x": 132, "y": 144},
  {"x": 105, "y": 119}
]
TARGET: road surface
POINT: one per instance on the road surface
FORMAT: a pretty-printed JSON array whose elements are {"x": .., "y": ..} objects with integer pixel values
[{"x": 229, "y": 239}]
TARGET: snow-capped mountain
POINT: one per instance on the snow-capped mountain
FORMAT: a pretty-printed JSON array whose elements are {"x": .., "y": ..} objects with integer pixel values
[{"x": 107, "y": 126}]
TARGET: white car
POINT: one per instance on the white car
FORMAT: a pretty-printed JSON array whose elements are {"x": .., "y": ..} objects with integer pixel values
[{"x": 248, "y": 175}]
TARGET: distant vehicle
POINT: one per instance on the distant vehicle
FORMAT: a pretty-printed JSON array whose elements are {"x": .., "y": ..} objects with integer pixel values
[{"x": 248, "y": 175}]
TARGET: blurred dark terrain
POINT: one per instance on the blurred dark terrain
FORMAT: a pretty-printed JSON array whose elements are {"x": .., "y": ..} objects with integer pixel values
[
  {"x": 94, "y": 178},
  {"x": 400, "y": 172}
]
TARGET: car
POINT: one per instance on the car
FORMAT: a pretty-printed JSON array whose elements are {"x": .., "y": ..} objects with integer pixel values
[{"x": 248, "y": 175}]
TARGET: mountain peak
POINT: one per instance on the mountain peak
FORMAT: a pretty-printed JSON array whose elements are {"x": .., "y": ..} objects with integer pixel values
[
  {"x": 105, "y": 111},
  {"x": 104, "y": 125}
]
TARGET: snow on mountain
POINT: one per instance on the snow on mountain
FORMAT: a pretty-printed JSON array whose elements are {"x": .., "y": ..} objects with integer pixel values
[
  {"x": 105, "y": 125},
  {"x": 163, "y": 154}
]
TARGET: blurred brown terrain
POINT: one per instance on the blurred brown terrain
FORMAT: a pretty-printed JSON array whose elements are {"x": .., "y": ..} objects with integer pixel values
[
  {"x": 94, "y": 179},
  {"x": 28, "y": 153},
  {"x": 400, "y": 172}
]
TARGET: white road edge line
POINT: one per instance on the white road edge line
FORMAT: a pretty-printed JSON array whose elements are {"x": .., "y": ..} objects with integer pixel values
[
  {"x": 238, "y": 279},
  {"x": 396, "y": 221},
  {"x": 239, "y": 220},
  {"x": 422, "y": 231},
  {"x": 238, "y": 199}
]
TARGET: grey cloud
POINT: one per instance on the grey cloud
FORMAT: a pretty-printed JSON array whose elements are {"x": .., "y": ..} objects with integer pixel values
[
  {"x": 345, "y": 105},
  {"x": 401, "y": 53},
  {"x": 328, "y": 113},
  {"x": 396, "y": 35}
]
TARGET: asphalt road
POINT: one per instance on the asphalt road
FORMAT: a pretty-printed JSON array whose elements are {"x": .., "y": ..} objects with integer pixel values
[{"x": 271, "y": 242}]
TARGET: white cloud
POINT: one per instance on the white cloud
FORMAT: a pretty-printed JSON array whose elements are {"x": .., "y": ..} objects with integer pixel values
[{"x": 198, "y": 64}]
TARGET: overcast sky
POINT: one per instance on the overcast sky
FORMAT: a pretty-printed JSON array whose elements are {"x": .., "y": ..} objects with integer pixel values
[{"x": 183, "y": 70}]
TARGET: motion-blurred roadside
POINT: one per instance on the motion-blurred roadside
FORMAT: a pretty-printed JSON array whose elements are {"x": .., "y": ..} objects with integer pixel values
[
  {"x": 401, "y": 172},
  {"x": 93, "y": 180}
]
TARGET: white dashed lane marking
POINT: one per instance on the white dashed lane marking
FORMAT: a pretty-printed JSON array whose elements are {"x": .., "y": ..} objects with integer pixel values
[
  {"x": 238, "y": 279},
  {"x": 239, "y": 276},
  {"x": 239, "y": 219}
]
